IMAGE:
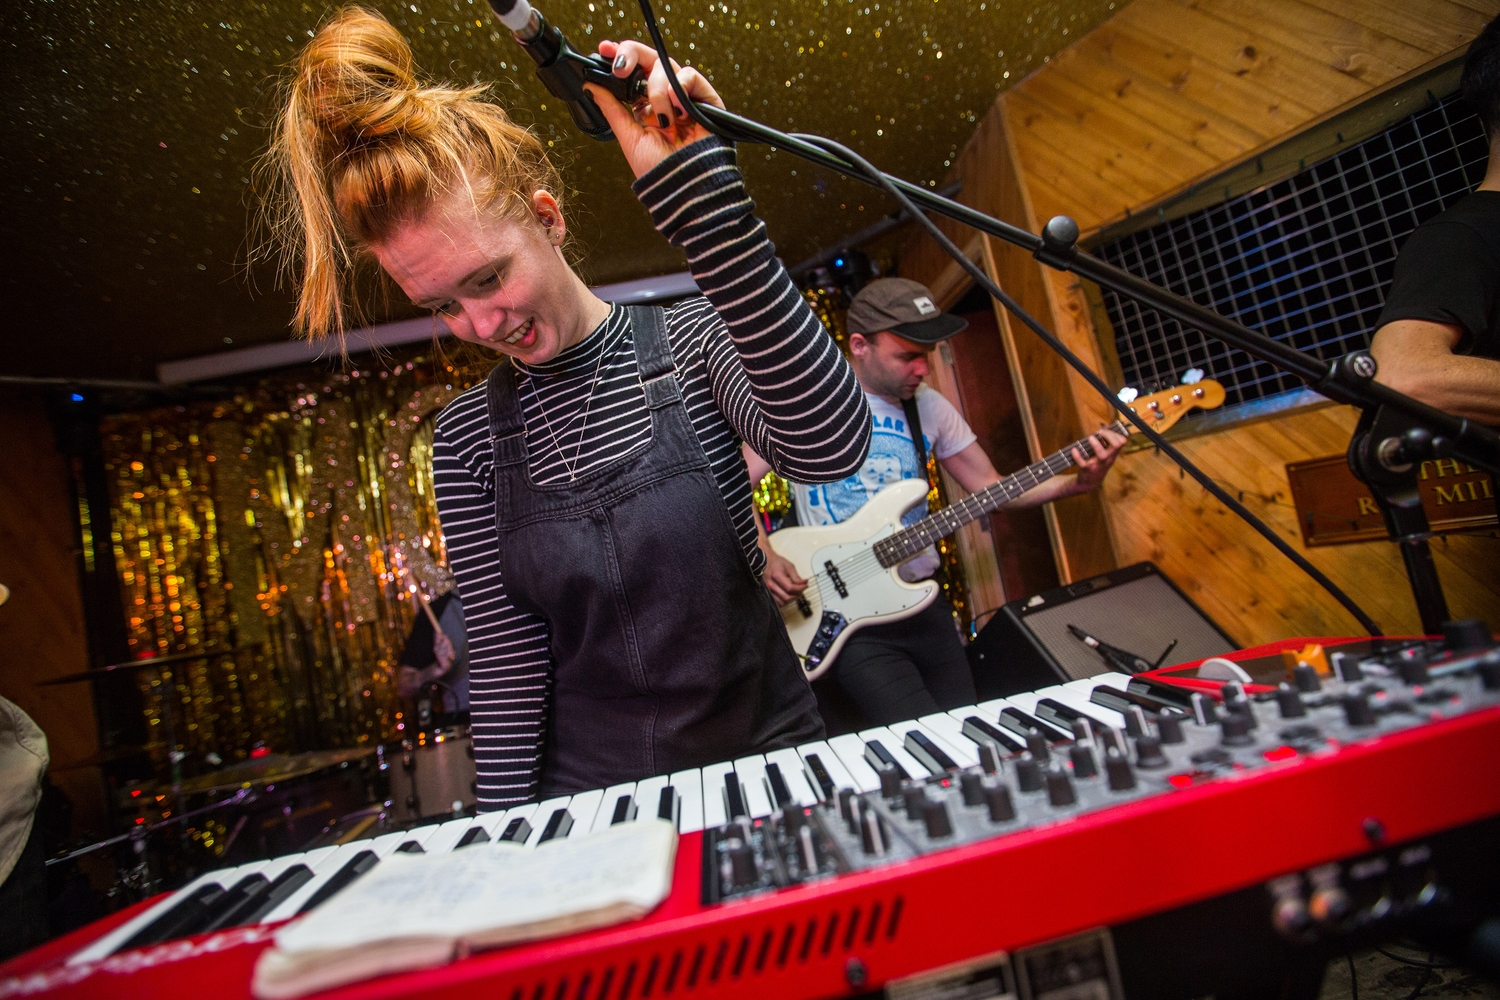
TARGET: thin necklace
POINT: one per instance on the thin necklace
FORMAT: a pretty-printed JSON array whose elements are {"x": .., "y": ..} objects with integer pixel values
[{"x": 588, "y": 405}]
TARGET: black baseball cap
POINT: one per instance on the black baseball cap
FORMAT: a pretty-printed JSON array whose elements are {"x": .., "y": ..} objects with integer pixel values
[{"x": 903, "y": 307}]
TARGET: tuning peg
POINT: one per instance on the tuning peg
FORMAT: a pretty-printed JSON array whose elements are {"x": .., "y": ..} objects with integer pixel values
[
  {"x": 1127, "y": 395},
  {"x": 1192, "y": 376}
]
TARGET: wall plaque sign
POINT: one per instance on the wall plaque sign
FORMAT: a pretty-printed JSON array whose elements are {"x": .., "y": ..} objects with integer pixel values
[{"x": 1334, "y": 508}]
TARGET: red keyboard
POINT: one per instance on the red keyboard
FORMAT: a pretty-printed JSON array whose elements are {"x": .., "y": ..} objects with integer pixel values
[{"x": 1349, "y": 809}]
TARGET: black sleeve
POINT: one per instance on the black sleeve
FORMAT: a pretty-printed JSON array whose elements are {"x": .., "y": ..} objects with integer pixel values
[
  {"x": 418, "y": 652},
  {"x": 1446, "y": 273}
]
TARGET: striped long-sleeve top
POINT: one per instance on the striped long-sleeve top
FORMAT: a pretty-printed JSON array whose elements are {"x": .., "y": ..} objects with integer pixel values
[{"x": 754, "y": 365}]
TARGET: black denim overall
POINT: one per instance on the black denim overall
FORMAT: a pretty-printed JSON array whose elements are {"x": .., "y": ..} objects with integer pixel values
[{"x": 668, "y": 652}]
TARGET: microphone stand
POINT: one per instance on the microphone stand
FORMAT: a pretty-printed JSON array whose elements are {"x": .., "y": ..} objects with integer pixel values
[{"x": 1395, "y": 434}]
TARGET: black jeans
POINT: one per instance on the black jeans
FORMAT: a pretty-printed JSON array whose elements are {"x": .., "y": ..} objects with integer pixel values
[{"x": 904, "y": 670}]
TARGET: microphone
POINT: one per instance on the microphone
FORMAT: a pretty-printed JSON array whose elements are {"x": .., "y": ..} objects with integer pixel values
[
  {"x": 1119, "y": 659},
  {"x": 564, "y": 70}
]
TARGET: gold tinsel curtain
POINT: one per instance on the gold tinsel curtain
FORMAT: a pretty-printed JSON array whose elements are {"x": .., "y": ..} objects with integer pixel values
[{"x": 282, "y": 530}]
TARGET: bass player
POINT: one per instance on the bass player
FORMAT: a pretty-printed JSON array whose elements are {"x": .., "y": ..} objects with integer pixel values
[{"x": 913, "y": 667}]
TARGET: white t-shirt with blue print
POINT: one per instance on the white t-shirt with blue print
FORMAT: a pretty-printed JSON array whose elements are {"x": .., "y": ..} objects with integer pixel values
[{"x": 892, "y": 457}]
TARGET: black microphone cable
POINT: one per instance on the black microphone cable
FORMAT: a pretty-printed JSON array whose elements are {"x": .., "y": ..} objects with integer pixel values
[{"x": 845, "y": 161}]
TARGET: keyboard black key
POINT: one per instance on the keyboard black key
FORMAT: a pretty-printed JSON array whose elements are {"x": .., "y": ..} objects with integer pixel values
[
  {"x": 821, "y": 779},
  {"x": 734, "y": 799},
  {"x": 516, "y": 831},
  {"x": 623, "y": 810},
  {"x": 932, "y": 756},
  {"x": 1023, "y": 725},
  {"x": 666, "y": 804},
  {"x": 980, "y": 731},
  {"x": 191, "y": 911},
  {"x": 277, "y": 893},
  {"x": 1168, "y": 694},
  {"x": 1121, "y": 701},
  {"x": 352, "y": 870},
  {"x": 243, "y": 896},
  {"x": 880, "y": 758},
  {"x": 558, "y": 825},
  {"x": 410, "y": 847},
  {"x": 473, "y": 835},
  {"x": 1063, "y": 716},
  {"x": 779, "y": 792}
]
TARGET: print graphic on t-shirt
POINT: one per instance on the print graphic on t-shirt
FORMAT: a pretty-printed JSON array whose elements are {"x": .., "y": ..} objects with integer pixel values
[{"x": 892, "y": 458}]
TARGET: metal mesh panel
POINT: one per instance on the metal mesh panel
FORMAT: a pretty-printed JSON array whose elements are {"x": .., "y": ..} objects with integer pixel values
[{"x": 1306, "y": 261}]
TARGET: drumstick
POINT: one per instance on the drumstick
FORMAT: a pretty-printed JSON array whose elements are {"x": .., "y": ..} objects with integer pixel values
[{"x": 422, "y": 599}]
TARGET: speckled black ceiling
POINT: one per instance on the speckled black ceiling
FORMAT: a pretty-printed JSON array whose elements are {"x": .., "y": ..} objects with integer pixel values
[{"x": 131, "y": 127}]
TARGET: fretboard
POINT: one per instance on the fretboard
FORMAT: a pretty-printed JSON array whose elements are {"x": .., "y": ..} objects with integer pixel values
[{"x": 909, "y": 541}]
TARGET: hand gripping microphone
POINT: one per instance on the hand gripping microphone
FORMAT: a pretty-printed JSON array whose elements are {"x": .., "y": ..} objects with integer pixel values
[{"x": 564, "y": 70}]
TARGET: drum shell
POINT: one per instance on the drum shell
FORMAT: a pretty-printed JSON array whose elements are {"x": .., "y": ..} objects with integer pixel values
[{"x": 426, "y": 780}]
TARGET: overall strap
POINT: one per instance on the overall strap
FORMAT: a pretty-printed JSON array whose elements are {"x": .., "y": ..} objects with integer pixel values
[
  {"x": 914, "y": 424},
  {"x": 507, "y": 424},
  {"x": 653, "y": 355}
]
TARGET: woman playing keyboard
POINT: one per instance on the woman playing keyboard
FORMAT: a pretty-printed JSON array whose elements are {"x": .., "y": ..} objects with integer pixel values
[{"x": 592, "y": 491}]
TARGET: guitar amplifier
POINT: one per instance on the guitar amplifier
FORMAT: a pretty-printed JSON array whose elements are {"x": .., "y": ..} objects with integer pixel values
[{"x": 1027, "y": 644}]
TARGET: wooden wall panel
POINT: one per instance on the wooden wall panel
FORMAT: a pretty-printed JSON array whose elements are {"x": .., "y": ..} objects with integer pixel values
[
  {"x": 1169, "y": 91},
  {"x": 1167, "y": 94},
  {"x": 41, "y": 626}
]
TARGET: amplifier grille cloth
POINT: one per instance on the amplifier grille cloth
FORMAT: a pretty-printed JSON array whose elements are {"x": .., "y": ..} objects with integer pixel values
[{"x": 1140, "y": 616}]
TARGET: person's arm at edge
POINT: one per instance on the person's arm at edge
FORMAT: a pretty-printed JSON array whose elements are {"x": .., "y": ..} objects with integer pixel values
[{"x": 1416, "y": 357}]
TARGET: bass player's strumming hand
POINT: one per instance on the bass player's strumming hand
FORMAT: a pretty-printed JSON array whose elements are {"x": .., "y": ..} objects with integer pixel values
[{"x": 666, "y": 127}]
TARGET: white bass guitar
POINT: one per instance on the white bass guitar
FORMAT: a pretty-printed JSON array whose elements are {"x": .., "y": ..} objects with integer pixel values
[{"x": 852, "y": 566}]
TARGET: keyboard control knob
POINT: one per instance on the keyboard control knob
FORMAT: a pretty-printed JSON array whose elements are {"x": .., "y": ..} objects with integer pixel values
[
  {"x": 1029, "y": 774},
  {"x": 1241, "y": 706},
  {"x": 989, "y": 758},
  {"x": 871, "y": 833},
  {"x": 1060, "y": 791},
  {"x": 1121, "y": 775},
  {"x": 846, "y": 808},
  {"x": 1489, "y": 672},
  {"x": 1036, "y": 745},
  {"x": 1305, "y": 676},
  {"x": 1231, "y": 691},
  {"x": 1082, "y": 756},
  {"x": 1413, "y": 665},
  {"x": 935, "y": 818},
  {"x": 1169, "y": 728},
  {"x": 1135, "y": 722},
  {"x": 1357, "y": 709},
  {"x": 1289, "y": 702},
  {"x": 1346, "y": 667},
  {"x": 742, "y": 868},
  {"x": 890, "y": 782},
  {"x": 1148, "y": 753},
  {"x": 1466, "y": 635},
  {"x": 997, "y": 799},
  {"x": 915, "y": 799},
  {"x": 1236, "y": 729},
  {"x": 972, "y": 786}
]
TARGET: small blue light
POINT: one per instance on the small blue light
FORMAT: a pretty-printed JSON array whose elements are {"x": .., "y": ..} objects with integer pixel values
[
  {"x": 838, "y": 262},
  {"x": 77, "y": 398}
]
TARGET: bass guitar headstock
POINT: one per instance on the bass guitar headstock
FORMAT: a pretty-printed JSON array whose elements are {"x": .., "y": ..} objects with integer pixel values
[{"x": 1164, "y": 408}]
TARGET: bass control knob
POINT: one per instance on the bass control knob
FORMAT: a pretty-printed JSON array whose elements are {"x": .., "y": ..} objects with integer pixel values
[
  {"x": 1121, "y": 775},
  {"x": 1082, "y": 757},
  {"x": 1357, "y": 709},
  {"x": 972, "y": 787},
  {"x": 1289, "y": 703},
  {"x": 1060, "y": 790},
  {"x": 935, "y": 817},
  {"x": 1029, "y": 773},
  {"x": 1001, "y": 806}
]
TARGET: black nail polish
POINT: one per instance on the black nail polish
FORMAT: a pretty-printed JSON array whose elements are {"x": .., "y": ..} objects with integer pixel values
[
  {"x": 620, "y": 61},
  {"x": 662, "y": 121}
]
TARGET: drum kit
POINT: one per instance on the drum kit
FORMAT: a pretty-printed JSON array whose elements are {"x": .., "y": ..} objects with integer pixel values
[{"x": 274, "y": 803}]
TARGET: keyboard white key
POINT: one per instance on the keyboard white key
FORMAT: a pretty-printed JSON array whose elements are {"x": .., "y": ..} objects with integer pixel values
[
  {"x": 752, "y": 773},
  {"x": 605, "y": 817},
  {"x": 584, "y": 807},
  {"x": 715, "y": 810},
  {"x": 851, "y": 753},
  {"x": 689, "y": 786},
  {"x": 789, "y": 763},
  {"x": 840, "y": 775},
  {"x": 1080, "y": 702},
  {"x": 962, "y": 752},
  {"x": 446, "y": 837},
  {"x": 322, "y": 872},
  {"x": 950, "y": 726},
  {"x": 543, "y": 816},
  {"x": 648, "y": 796},
  {"x": 111, "y": 942},
  {"x": 526, "y": 813},
  {"x": 897, "y": 749}
]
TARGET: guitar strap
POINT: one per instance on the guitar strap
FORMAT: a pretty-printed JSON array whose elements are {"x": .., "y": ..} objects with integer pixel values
[{"x": 914, "y": 424}]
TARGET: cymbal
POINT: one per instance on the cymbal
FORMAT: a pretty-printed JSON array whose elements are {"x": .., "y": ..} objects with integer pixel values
[
  {"x": 131, "y": 666},
  {"x": 104, "y": 757},
  {"x": 272, "y": 767}
]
